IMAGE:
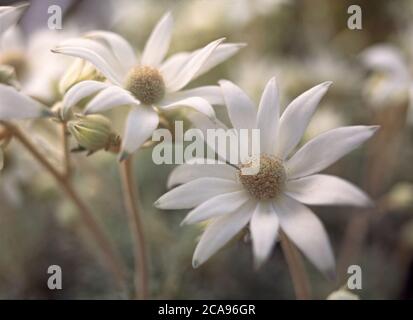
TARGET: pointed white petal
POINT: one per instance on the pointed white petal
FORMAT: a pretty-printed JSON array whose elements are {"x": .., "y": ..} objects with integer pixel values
[
  {"x": 15, "y": 105},
  {"x": 268, "y": 117},
  {"x": 187, "y": 172},
  {"x": 220, "y": 231},
  {"x": 327, "y": 148},
  {"x": 212, "y": 94},
  {"x": 296, "y": 117},
  {"x": 264, "y": 230},
  {"x": 96, "y": 53},
  {"x": 195, "y": 192},
  {"x": 109, "y": 98},
  {"x": 321, "y": 189},
  {"x": 196, "y": 103},
  {"x": 307, "y": 232},
  {"x": 192, "y": 66},
  {"x": 223, "y": 52},
  {"x": 172, "y": 66},
  {"x": 158, "y": 43},
  {"x": 9, "y": 15},
  {"x": 141, "y": 122},
  {"x": 217, "y": 206},
  {"x": 241, "y": 109},
  {"x": 78, "y": 92},
  {"x": 119, "y": 46}
]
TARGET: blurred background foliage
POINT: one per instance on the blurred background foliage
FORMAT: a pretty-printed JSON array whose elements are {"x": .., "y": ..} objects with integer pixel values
[{"x": 303, "y": 43}]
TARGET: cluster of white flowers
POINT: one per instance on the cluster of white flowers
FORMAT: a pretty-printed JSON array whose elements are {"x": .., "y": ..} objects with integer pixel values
[{"x": 151, "y": 84}]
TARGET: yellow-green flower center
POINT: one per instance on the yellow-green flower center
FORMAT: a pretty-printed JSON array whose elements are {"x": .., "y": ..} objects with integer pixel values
[
  {"x": 146, "y": 84},
  {"x": 268, "y": 182}
]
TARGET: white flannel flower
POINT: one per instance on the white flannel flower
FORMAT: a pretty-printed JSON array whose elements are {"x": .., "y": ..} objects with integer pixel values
[
  {"x": 391, "y": 78},
  {"x": 273, "y": 198},
  {"x": 146, "y": 83}
]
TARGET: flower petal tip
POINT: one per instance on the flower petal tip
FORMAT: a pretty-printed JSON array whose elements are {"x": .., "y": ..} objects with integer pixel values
[{"x": 195, "y": 264}]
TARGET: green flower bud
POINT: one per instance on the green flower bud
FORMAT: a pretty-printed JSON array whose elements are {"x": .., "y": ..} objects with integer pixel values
[
  {"x": 80, "y": 70},
  {"x": 94, "y": 132},
  {"x": 8, "y": 76}
]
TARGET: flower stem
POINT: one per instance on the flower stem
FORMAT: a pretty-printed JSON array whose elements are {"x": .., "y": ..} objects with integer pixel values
[
  {"x": 113, "y": 259},
  {"x": 66, "y": 151},
  {"x": 296, "y": 267},
  {"x": 133, "y": 208}
]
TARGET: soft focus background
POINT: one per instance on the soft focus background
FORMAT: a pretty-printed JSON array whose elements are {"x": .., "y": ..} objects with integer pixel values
[{"x": 303, "y": 43}]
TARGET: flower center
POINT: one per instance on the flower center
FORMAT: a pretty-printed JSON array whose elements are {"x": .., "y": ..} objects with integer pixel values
[
  {"x": 15, "y": 59},
  {"x": 146, "y": 84},
  {"x": 268, "y": 182}
]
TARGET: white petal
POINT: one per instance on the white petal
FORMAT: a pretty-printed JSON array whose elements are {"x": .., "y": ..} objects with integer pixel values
[
  {"x": 172, "y": 66},
  {"x": 15, "y": 105},
  {"x": 196, "y": 103},
  {"x": 385, "y": 58},
  {"x": 141, "y": 122},
  {"x": 217, "y": 206},
  {"x": 212, "y": 94},
  {"x": 327, "y": 148},
  {"x": 158, "y": 43},
  {"x": 306, "y": 231},
  {"x": 80, "y": 91},
  {"x": 192, "y": 66},
  {"x": 321, "y": 189},
  {"x": 187, "y": 172},
  {"x": 296, "y": 117},
  {"x": 193, "y": 193},
  {"x": 109, "y": 98},
  {"x": 9, "y": 15},
  {"x": 119, "y": 46},
  {"x": 241, "y": 109},
  {"x": 95, "y": 53},
  {"x": 264, "y": 230},
  {"x": 268, "y": 117},
  {"x": 223, "y": 52},
  {"x": 220, "y": 231}
]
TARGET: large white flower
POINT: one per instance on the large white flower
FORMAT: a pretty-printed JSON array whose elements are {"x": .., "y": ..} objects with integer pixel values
[
  {"x": 146, "y": 82},
  {"x": 274, "y": 197},
  {"x": 9, "y": 15}
]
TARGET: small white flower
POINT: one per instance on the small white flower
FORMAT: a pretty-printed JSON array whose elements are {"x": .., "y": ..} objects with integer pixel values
[
  {"x": 274, "y": 197},
  {"x": 146, "y": 82},
  {"x": 391, "y": 79}
]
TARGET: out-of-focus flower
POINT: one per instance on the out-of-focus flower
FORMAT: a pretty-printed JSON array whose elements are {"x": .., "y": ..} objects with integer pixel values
[
  {"x": 342, "y": 294},
  {"x": 391, "y": 82},
  {"x": 400, "y": 196},
  {"x": 145, "y": 84},
  {"x": 94, "y": 132},
  {"x": 8, "y": 76},
  {"x": 274, "y": 197},
  {"x": 37, "y": 69}
]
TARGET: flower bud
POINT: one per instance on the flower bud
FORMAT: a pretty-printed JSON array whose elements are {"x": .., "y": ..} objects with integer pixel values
[
  {"x": 94, "y": 132},
  {"x": 80, "y": 70},
  {"x": 8, "y": 76}
]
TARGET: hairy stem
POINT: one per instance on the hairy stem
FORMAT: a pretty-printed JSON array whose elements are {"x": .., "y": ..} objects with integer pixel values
[
  {"x": 133, "y": 208},
  {"x": 112, "y": 257},
  {"x": 296, "y": 267}
]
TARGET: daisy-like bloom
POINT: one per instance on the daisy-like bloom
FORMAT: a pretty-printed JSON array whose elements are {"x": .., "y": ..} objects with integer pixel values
[
  {"x": 391, "y": 79},
  {"x": 148, "y": 83},
  {"x": 275, "y": 197}
]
